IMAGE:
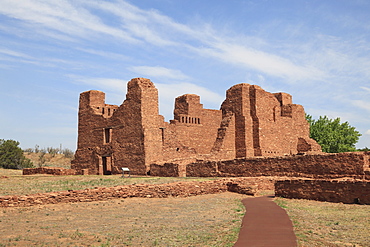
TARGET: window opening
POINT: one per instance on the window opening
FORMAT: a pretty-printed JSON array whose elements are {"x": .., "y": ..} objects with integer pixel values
[
  {"x": 107, "y": 135},
  {"x": 162, "y": 130}
]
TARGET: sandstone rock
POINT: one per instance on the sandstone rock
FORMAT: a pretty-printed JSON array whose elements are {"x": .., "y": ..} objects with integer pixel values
[{"x": 242, "y": 188}]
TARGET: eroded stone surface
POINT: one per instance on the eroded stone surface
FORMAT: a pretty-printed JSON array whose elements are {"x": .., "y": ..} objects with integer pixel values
[
  {"x": 335, "y": 190},
  {"x": 250, "y": 123}
]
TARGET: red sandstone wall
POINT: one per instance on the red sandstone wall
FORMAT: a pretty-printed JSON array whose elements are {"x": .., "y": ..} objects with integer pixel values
[
  {"x": 224, "y": 146},
  {"x": 236, "y": 103},
  {"x": 251, "y": 122},
  {"x": 129, "y": 136},
  {"x": 178, "y": 189},
  {"x": 345, "y": 191},
  {"x": 267, "y": 124},
  {"x": 203, "y": 169},
  {"x": 49, "y": 170},
  {"x": 193, "y": 130},
  {"x": 165, "y": 170},
  {"x": 314, "y": 166}
]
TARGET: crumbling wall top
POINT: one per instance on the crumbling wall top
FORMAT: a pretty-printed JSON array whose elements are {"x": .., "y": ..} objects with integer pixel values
[{"x": 187, "y": 104}]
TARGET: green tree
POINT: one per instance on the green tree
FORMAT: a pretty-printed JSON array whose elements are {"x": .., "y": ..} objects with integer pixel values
[
  {"x": 332, "y": 135},
  {"x": 363, "y": 149},
  {"x": 11, "y": 156}
]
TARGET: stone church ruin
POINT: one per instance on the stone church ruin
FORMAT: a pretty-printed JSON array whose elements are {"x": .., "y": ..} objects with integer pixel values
[
  {"x": 259, "y": 138},
  {"x": 250, "y": 123}
]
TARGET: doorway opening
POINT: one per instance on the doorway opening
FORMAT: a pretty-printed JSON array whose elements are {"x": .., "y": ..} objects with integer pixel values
[{"x": 107, "y": 165}]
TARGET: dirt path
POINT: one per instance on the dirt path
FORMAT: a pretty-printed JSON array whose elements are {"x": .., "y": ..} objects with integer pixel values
[{"x": 265, "y": 224}]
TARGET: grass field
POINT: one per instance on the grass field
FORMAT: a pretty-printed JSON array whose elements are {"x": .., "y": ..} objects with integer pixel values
[
  {"x": 54, "y": 160},
  {"x": 328, "y": 224},
  {"x": 209, "y": 220},
  {"x": 17, "y": 184}
]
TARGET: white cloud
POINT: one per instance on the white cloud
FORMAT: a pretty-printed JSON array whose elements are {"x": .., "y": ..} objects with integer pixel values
[
  {"x": 134, "y": 25},
  {"x": 202, "y": 39},
  {"x": 114, "y": 89},
  {"x": 110, "y": 84},
  {"x": 137, "y": 25},
  {"x": 105, "y": 54},
  {"x": 168, "y": 93},
  {"x": 261, "y": 61},
  {"x": 361, "y": 104},
  {"x": 366, "y": 89},
  {"x": 171, "y": 91},
  {"x": 158, "y": 72},
  {"x": 147, "y": 25},
  {"x": 332, "y": 114},
  {"x": 13, "y": 53},
  {"x": 60, "y": 16},
  {"x": 367, "y": 132}
]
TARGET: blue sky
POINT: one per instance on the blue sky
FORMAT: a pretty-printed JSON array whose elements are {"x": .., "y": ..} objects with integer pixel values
[{"x": 52, "y": 50}]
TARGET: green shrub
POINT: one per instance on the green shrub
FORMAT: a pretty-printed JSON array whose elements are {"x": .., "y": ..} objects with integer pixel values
[
  {"x": 68, "y": 153},
  {"x": 11, "y": 156}
]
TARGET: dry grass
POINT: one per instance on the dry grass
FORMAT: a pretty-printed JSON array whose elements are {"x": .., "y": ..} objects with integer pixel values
[
  {"x": 14, "y": 183},
  {"x": 207, "y": 220},
  {"x": 328, "y": 224},
  {"x": 53, "y": 160}
]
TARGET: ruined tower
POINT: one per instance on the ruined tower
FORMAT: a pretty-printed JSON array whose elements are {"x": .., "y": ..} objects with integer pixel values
[
  {"x": 111, "y": 137},
  {"x": 267, "y": 124}
]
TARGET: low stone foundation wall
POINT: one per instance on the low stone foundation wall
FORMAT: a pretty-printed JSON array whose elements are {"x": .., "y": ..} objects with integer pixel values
[
  {"x": 165, "y": 170},
  {"x": 337, "y": 165},
  {"x": 178, "y": 189},
  {"x": 49, "y": 170},
  {"x": 345, "y": 191}
]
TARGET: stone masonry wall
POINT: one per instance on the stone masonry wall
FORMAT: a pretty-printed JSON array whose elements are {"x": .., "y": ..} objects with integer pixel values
[
  {"x": 310, "y": 166},
  {"x": 125, "y": 136},
  {"x": 178, "y": 189},
  {"x": 49, "y": 171},
  {"x": 165, "y": 170},
  {"x": 250, "y": 123},
  {"x": 345, "y": 191},
  {"x": 267, "y": 124}
]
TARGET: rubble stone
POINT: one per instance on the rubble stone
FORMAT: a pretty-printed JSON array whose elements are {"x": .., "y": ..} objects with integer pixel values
[{"x": 177, "y": 189}]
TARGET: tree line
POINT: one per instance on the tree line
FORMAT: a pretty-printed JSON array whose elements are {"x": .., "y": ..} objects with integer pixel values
[{"x": 51, "y": 150}]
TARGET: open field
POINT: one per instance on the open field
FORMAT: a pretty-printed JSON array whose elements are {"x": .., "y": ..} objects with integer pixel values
[
  {"x": 54, "y": 160},
  {"x": 328, "y": 224},
  {"x": 13, "y": 183},
  {"x": 207, "y": 220}
]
